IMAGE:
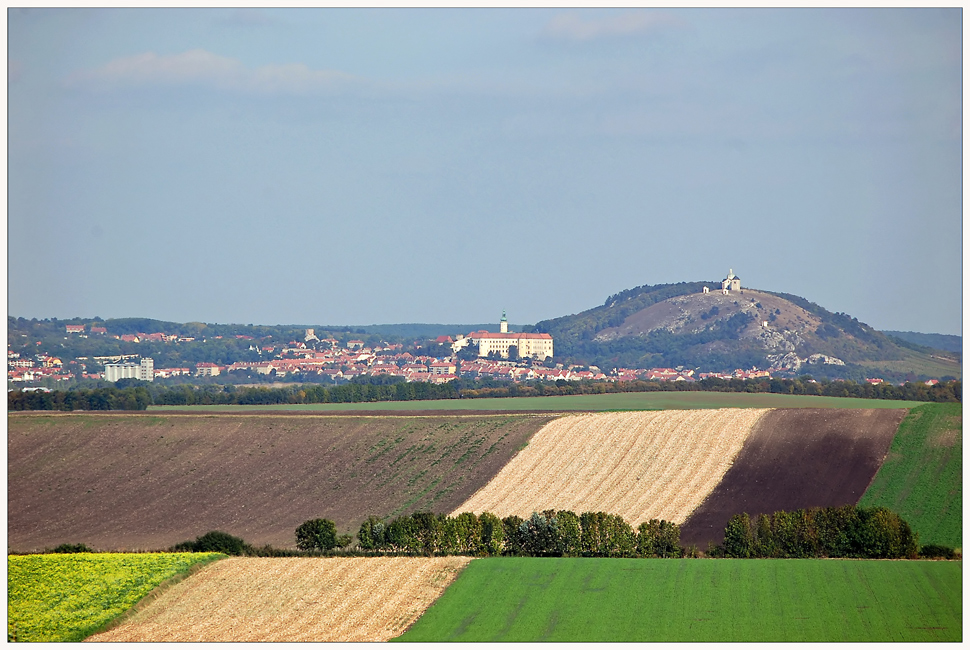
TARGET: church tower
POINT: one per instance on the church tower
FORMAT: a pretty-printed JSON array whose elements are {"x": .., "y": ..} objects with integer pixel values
[{"x": 503, "y": 326}]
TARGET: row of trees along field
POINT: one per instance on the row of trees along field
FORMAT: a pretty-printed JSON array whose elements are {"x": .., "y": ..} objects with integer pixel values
[
  {"x": 847, "y": 531},
  {"x": 835, "y": 532},
  {"x": 139, "y": 395},
  {"x": 547, "y": 533}
]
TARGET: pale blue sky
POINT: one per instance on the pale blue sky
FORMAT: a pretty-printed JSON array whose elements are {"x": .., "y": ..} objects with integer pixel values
[{"x": 336, "y": 166}]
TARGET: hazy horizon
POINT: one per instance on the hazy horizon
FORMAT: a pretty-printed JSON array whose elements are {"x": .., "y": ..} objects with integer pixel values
[{"x": 438, "y": 166}]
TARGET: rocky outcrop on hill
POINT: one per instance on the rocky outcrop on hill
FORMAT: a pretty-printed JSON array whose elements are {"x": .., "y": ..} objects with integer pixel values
[{"x": 793, "y": 362}]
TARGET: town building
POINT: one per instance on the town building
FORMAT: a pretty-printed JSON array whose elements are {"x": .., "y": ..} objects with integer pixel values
[
  {"x": 538, "y": 346},
  {"x": 144, "y": 370},
  {"x": 207, "y": 369}
]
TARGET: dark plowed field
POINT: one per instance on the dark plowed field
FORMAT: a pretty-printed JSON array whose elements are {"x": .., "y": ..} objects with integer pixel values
[
  {"x": 797, "y": 458},
  {"x": 128, "y": 482}
]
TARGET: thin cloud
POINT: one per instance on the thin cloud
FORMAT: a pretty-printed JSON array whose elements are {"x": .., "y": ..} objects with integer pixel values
[
  {"x": 576, "y": 28},
  {"x": 201, "y": 68}
]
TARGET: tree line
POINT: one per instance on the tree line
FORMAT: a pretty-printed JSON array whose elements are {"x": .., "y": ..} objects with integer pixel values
[
  {"x": 833, "y": 532},
  {"x": 548, "y": 533},
  {"x": 139, "y": 397},
  {"x": 846, "y": 531}
]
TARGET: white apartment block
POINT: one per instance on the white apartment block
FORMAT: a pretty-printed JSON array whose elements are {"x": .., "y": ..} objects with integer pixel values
[{"x": 144, "y": 370}]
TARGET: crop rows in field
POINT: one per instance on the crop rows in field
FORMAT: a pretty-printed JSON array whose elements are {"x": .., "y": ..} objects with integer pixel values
[
  {"x": 294, "y": 599},
  {"x": 639, "y": 465},
  {"x": 126, "y": 482},
  {"x": 65, "y": 597},
  {"x": 922, "y": 478},
  {"x": 637, "y": 600}
]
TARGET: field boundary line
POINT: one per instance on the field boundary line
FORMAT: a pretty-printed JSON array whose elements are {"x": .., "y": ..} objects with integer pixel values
[{"x": 153, "y": 595}]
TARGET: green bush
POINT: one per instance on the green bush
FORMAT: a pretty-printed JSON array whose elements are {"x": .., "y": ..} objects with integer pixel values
[
  {"x": 936, "y": 551},
  {"x": 71, "y": 548},
  {"x": 316, "y": 535},
  {"x": 372, "y": 534},
  {"x": 215, "y": 541}
]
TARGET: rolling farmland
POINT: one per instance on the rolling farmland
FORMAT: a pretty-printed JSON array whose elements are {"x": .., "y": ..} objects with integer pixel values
[
  {"x": 922, "y": 478},
  {"x": 293, "y": 599},
  {"x": 655, "y": 465},
  {"x": 622, "y": 600},
  {"x": 797, "y": 458},
  {"x": 146, "y": 482},
  {"x": 150, "y": 480}
]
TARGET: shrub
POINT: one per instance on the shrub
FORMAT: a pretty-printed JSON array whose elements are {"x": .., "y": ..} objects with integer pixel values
[
  {"x": 71, "y": 548},
  {"x": 372, "y": 534},
  {"x": 316, "y": 535},
  {"x": 935, "y": 551},
  {"x": 215, "y": 541}
]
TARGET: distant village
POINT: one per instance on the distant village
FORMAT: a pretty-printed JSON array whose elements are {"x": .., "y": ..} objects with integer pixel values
[{"x": 502, "y": 355}]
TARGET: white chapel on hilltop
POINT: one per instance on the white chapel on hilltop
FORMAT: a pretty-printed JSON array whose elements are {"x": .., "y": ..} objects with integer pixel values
[{"x": 731, "y": 282}]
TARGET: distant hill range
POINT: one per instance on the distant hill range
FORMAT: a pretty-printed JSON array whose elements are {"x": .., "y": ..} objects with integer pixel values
[
  {"x": 947, "y": 342},
  {"x": 670, "y": 325}
]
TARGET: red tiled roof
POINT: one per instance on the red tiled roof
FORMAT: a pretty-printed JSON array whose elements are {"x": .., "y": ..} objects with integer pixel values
[{"x": 510, "y": 335}]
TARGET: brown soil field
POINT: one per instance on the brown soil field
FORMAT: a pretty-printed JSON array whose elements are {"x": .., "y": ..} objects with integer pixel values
[
  {"x": 144, "y": 482},
  {"x": 797, "y": 458},
  {"x": 639, "y": 465},
  {"x": 293, "y": 599}
]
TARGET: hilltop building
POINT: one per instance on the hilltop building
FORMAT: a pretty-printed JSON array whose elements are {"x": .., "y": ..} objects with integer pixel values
[
  {"x": 144, "y": 370},
  {"x": 529, "y": 345},
  {"x": 731, "y": 282}
]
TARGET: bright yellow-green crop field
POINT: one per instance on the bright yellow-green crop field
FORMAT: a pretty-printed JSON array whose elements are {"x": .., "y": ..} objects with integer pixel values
[{"x": 67, "y": 597}]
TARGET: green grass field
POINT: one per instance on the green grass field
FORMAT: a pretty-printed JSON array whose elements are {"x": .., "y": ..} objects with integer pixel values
[
  {"x": 630, "y": 600},
  {"x": 605, "y": 402},
  {"x": 922, "y": 478},
  {"x": 921, "y": 364},
  {"x": 67, "y": 597}
]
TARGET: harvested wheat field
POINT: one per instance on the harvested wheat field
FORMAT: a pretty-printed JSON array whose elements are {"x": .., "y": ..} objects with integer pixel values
[
  {"x": 639, "y": 465},
  {"x": 797, "y": 458},
  {"x": 293, "y": 599}
]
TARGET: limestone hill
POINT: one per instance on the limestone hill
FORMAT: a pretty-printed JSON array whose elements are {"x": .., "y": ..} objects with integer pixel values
[{"x": 682, "y": 325}]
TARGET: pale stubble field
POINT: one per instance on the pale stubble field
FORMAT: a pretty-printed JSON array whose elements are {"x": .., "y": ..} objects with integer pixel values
[
  {"x": 293, "y": 599},
  {"x": 639, "y": 465}
]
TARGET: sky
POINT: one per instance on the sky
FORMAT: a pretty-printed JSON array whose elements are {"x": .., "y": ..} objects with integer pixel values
[{"x": 353, "y": 167}]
